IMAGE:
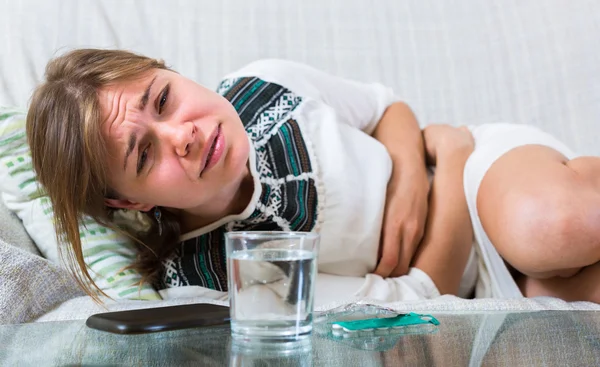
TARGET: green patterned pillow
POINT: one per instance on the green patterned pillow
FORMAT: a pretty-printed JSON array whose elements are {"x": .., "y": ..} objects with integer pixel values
[{"x": 105, "y": 252}]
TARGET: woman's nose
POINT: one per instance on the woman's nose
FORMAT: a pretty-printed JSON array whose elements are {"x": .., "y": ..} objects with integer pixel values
[
  {"x": 182, "y": 148},
  {"x": 182, "y": 137}
]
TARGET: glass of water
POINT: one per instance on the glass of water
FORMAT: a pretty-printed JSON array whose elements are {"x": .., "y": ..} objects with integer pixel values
[{"x": 271, "y": 279}]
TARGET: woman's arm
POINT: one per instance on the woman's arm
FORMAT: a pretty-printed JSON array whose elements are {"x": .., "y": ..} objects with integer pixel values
[
  {"x": 444, "y": 251},
  {"x": 446, "y": 245},
  {"x": 406, "y": 199},
  {"x": 374, "y": 109}
]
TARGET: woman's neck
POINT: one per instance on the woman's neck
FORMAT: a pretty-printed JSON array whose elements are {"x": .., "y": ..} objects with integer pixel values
[{"x": 190, "y": 221}]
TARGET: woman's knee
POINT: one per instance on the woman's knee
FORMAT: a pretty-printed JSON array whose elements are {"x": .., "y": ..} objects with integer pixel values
[
  {"x": 539, "y": 230},
  {"x": 545, "y": 218},
  {"x": 554, "y": 231}
]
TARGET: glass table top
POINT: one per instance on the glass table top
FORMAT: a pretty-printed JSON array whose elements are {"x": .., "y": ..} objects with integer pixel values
[{"x": 551, "y": 338}]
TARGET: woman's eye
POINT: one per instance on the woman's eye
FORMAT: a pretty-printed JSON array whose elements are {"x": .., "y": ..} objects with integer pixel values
[
  {"x": 163, "y": 99},
  {"x": 142, "y": 160}
]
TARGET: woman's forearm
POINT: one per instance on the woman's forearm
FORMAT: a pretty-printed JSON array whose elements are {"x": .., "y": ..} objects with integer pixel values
[
  {"x": 446, "y": 246},
  {"x": 399, "y": 131}
]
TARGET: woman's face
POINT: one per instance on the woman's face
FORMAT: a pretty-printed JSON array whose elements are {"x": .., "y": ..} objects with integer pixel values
[{"x": 172, "y": 143}]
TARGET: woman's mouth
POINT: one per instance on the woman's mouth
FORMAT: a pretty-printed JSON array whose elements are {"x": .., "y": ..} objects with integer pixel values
[{"x": 215, "y": 150}]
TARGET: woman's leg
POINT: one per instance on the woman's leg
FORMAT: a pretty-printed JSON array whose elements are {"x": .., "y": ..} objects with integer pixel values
[
  {"x": 542, "y": 211},
  {"x": 444, "y": 250},
  {"x": 585, "y": 285}
]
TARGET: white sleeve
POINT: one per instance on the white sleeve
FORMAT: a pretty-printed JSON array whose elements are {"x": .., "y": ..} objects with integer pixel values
[
  {"x": 360, "y": 105},
  {"x": 416, "y": 285}
]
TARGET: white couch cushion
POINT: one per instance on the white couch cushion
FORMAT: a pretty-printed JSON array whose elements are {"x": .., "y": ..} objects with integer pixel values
[{"x": 461, "y": 62}]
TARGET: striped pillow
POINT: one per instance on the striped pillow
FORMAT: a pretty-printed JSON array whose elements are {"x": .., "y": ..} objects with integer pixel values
[{"x": 105, "y": 252}]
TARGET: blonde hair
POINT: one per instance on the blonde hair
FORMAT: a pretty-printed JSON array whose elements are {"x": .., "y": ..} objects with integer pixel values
[{"x": 69, "y": 154}]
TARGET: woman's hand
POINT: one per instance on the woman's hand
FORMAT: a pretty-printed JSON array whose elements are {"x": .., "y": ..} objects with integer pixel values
[
  {"x": 443, "y": 139},
  {"x": 407, "y": 199},
  {"x": 403, "y": 222}
]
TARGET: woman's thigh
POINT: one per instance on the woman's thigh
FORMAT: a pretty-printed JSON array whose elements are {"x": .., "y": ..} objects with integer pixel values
[{"x": 542, "y": 211}]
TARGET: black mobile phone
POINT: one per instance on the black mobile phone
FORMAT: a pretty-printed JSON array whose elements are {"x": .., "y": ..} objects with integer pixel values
[{"x": 149, "y": 320}]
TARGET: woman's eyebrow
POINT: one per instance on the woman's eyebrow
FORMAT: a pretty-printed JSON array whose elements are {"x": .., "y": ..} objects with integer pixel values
[
  {"x": 130, "y": 147},
  {"x": 144, "y": 98}
]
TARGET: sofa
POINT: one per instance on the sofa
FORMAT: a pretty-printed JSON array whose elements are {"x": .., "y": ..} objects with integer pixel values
[{"x": 462, "y": 62}]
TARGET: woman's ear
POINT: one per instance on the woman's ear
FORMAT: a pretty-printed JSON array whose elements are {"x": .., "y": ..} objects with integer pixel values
[{"x": 126, "y": 204}]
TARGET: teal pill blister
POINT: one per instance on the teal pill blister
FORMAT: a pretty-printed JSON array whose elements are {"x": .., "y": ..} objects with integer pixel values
[
  {"x": 371, "y": 327},
  {"x": 381, "y": 325}
]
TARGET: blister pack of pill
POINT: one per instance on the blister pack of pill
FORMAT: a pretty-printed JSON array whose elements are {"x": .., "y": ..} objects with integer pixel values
[
  {"x": 371, "y": 327},
  {"x": 401, "y": 322}
]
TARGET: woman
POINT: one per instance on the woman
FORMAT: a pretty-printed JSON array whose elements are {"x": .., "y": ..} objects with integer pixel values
[{"x": 284, "y": 147}]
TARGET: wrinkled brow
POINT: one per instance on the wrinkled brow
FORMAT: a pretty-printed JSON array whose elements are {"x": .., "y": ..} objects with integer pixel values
[{"x": 144, "y": 98}]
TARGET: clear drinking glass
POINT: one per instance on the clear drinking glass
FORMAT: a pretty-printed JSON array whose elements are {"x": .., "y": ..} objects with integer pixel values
[
  {"x": 271, "y": 278},
  {"x": 296, "y": 353}
]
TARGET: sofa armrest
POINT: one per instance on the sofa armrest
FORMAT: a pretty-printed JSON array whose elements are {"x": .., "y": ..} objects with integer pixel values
[{"x": 13, "y": 233}]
